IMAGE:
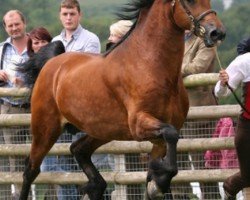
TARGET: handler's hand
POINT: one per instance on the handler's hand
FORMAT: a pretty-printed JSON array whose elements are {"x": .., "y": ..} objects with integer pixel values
[
  {"x": 223, "y": 77},
  {"x": 18, "y": 82},
  {"x": 3, "y": 76}
]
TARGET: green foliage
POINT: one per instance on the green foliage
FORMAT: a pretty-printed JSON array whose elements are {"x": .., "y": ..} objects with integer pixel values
[
  {"x": 97, "y": 15},
  {"x": 217, "y": 5},
  {"x": 235, "y": 20},
  {"x": 97, "y": 9},
  {"x": 236, "y": 2}
]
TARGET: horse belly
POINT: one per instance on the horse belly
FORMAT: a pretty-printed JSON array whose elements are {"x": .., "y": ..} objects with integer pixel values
[{"x": 94, "y": 110}]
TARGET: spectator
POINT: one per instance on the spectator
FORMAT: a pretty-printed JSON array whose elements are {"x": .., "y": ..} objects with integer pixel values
[
  {"x": 199, "y": 59},
  {"x": 243, "y": 46},
  {"x": 238, "y": 73},
  {"x": 12, "y": 52},
  {"x": 38, "y": 38},
  {"x": 77, "y": 39},
  {"x": 117, "y": 31},
  {"x": 74, "y": 36}
]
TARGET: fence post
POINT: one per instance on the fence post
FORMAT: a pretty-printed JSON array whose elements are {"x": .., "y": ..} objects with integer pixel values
[{"x": 120, "y": 192}]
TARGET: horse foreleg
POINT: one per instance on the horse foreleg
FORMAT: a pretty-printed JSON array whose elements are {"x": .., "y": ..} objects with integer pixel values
[
  {"x": 162, "y": 170},
  {"x": 82, "y": 149}
]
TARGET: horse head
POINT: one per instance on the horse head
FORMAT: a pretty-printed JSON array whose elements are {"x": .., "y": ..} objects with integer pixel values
[{"x": 197, "y": 16}]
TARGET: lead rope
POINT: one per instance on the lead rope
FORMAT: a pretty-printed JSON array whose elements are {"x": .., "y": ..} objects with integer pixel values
[{"x": 229, "y": 87}]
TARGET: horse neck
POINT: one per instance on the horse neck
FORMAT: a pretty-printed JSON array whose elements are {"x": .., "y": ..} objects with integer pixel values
[{"x": 158, "y": 39}]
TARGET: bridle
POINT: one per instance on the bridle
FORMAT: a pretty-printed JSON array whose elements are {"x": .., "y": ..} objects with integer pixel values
[{"x": 196, "y": 27}]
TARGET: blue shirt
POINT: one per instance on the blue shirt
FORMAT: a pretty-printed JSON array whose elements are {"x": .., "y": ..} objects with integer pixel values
[
  {"x": 10, "y": 61},
  {"x": 82, "y": 41}
]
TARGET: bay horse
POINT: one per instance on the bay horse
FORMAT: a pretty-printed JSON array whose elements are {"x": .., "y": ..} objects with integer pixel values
[{"x": 133, "y": 92}]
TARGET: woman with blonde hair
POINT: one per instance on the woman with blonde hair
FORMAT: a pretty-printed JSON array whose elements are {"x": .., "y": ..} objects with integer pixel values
[{"x": 117, "y": 31}]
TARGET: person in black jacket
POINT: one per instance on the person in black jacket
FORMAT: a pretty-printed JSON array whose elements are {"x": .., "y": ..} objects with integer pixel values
[{"x": 243, "y": 46}]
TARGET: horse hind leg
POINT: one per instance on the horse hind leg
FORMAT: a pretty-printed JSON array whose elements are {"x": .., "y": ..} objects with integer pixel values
[
  {"x": 29, "y": 176},
  {"x": 45, "y": 131},
  {"x": 82, "y": 149}
]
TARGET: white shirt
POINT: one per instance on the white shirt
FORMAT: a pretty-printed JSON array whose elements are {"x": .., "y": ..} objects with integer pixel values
[{"x": 238, "y": 71}]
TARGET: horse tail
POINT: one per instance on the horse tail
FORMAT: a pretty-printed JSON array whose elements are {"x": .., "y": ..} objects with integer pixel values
[{"x": 31, "y": 68}]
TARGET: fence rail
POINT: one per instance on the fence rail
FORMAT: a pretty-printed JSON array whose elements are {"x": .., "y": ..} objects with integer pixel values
[
  {"x": 122, "y": 178},
  {"x": 121, "y": 147},
  {"x": 201, "y": 112}
]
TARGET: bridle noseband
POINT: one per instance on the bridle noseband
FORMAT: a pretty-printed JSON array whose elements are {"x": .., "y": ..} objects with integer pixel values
[{"x": 196, "y": 27}]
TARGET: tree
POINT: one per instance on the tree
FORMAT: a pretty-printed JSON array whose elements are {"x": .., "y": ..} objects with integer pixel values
[
  {"x": 96, "y": 16},
  {"x": 237, "y": 2},
  {"x": 235, "y": 20},
  {"x": 217, "y": 5}
]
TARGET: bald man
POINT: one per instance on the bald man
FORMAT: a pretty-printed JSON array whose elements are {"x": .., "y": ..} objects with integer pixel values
[{"x": 12, "y": 52}]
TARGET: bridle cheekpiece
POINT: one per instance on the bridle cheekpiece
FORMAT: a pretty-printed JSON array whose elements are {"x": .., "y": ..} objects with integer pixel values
[{"x": 196, "y": 27}]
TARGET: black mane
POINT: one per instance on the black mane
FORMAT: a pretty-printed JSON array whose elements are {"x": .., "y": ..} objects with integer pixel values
[
  {"x": 130, "y": 11},
  {"x": 33, "y": 66}
]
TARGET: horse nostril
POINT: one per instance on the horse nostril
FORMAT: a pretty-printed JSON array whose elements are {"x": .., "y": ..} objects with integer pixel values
[{"x": 217, "y": 35}]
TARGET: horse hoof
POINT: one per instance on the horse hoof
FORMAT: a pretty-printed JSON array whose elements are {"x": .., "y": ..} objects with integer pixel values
[
  {"x": 153, "y": 191},
  {"x": 85, "y": 197}
]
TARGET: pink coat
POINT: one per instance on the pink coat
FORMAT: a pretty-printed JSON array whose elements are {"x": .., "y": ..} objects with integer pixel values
[{"x": 224, "y": 158}]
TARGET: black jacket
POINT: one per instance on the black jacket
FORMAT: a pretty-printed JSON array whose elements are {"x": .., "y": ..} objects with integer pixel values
[{"x": 243, "y": 46}]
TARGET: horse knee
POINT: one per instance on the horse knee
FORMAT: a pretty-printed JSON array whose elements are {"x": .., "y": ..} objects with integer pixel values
[{"x": 169, "y": 134}]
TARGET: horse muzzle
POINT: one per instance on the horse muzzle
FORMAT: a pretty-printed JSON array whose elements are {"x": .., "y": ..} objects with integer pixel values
[{"x": 213, "y": 35}]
